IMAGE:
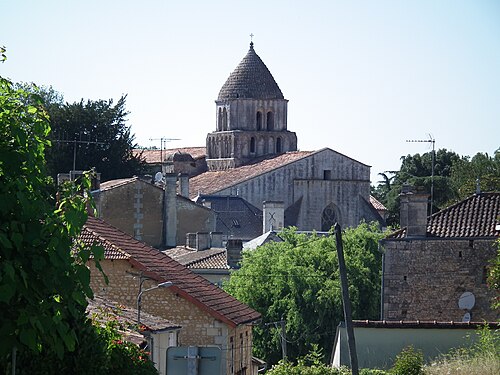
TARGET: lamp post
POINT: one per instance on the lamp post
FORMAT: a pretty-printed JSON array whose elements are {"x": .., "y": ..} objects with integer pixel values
[{"x": 165, "y": 284}]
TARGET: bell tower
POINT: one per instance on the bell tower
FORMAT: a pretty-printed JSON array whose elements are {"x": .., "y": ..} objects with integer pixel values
[{"x": 251, "y": 117}]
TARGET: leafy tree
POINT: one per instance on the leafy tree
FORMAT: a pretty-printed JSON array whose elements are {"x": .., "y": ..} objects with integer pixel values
[
  {"x": 43, "y": 285},
  {"x": 482, "y": 168},
  {"x": 494, "y": 278},
  {"x": 91, "y": 134},
  {"x": 298, "y": 280}
]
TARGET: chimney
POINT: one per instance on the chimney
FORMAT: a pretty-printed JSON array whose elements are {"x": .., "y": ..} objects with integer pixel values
[
  {"x": 413, "y": 211},
  {"x": 170, "y": 210},
  {"x": 184, "y": 185},
  {"x": 273, "y": 216},
  {"x": 191, "y": 240},
  {"x": 233, "y": 251},
  {"x": 202, "y": 240},
  {"x": 216, "y": 239}
]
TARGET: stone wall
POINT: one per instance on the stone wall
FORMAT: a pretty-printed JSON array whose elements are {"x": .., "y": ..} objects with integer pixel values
[
  {"x": 135, "y": 208},
  {"x": 199, "y": 328},
  {"x": 323, "y": 178},
  {"x": 424, "y": 279}
]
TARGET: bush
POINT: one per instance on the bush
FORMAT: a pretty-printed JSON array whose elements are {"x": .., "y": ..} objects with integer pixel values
[{"x": 408, "y": 362}]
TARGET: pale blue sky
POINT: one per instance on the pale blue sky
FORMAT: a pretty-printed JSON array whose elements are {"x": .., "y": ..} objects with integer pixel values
[{"x": 361, "y": 76}]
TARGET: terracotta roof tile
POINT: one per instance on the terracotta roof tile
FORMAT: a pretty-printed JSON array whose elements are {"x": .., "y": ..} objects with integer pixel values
[
  {"x": 163, "y": 268},
  {"x": 214, "y": 258},
  {"x": 213, "y": 181},
  {"x": 476, "y": 216},
  {"x": 154, "y": 156},
  {"x": 376, "y": 204}
]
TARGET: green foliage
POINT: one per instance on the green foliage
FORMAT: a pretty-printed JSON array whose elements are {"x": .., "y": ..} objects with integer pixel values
[
  {"x": 310, "y": 364},
  {"x": 408, "y": 362},
  {"x": 454, "y": 178},
  {"x": 100, "y": 121},
  {"x": 43, "y": 284},
  {"x": 298, "y": 280},
  {"x": 494, "y": 278}
]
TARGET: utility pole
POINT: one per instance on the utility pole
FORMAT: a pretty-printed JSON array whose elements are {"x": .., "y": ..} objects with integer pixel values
[
  {"x": 433, "y": 141},
  {"x": 282, "y": 324},
  {"x": 346, "y": 301}
]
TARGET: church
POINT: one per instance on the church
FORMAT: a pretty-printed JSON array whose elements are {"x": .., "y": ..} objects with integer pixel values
[{"x": 252, "y": 155}]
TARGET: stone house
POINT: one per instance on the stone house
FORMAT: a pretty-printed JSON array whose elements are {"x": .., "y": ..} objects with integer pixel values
[
  {"x": 153, "y": 213},
  {"x": 208, "y": 316},
  {"x": 435, "y": 268}
]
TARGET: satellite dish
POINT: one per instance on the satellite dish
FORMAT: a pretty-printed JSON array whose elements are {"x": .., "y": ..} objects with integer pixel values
[
  {"x": 158, "y": 176},
  {"x": 466, "y": 301},
  {"x": 466, "y": 318}
]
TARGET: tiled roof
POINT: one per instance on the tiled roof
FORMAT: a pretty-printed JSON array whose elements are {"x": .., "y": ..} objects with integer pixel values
[
  {"x": 116, "y": 183},
  {"x": 105, "y": 310},
  {"x": 162, "y": 268},
  {"x": 422, "y": 324},
  {"x": 154, "y": 156},
  {"x": 214, "y": 258},
  {"x": 213, "y": 181},
  {"x": 236, "y": 218},
  {"x": 250, "y": 80},
  {"x": 376, "y": 204},
  {"x": 476, "y": 216}
]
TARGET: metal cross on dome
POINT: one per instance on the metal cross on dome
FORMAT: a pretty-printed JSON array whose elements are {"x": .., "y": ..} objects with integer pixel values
[{"x": 251, "y": 37}]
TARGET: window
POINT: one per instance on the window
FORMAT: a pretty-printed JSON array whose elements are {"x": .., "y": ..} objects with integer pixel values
[
  {"x": 270, "y": 120},
  {"x": 219, "y": 122},
  {"x": 252, "y": 145},
  {"x": 278, "y": 146},
  {"x": 327, "y": 174},
  {"x": 224, "y": 119},
  {"x": 259, "y": 120},
  {"x": 329, "y": 217}
]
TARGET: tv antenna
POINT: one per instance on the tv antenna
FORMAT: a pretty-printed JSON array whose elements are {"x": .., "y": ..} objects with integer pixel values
[
  {"x": 75, "y": 142},
  {"x": 433, "y": 155},
  {"x": 163, "y": 143}
]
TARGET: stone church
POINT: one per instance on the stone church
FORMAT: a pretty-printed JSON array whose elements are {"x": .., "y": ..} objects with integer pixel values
[{"x": 251, "y": 154}]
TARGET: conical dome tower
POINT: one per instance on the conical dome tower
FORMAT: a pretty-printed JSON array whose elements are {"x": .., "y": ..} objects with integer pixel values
[{"x": 251, "y": 117}]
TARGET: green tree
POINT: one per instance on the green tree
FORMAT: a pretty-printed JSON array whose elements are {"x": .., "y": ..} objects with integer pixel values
[
  {"x": 298, "y": 280},
  {"x": 91, "y": 134},
  {"x": 494, "y": 278},
  {"x": 43, "y": 285},
  {"x": 482, "y": 168}
]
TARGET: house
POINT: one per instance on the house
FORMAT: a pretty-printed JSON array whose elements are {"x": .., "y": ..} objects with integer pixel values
[
  {"x": 209, "y": 317},
  {"x": 153, "y": 212},
  {"x": 435, "y": 268},
  {"x": 154, "y": 334}
]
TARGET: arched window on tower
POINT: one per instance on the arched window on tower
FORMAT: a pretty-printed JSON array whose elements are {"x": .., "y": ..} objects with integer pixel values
[
  {"x": 219, "y": 120},
  {"x": 259, "y": 120},
  {"x": 252, "y": 145},
  {"x": 270, "y": 120},
  {"x": 224, "y": 119},
  {"x": 278, "y": 146},
  {"x": 329, "y": 217}
]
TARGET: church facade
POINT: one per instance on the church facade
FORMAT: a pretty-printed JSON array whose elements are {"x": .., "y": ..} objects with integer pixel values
[{"x": 253, "y": 155}]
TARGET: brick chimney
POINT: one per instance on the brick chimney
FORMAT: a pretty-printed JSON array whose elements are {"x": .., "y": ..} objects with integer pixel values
[
  {"x": 273, "y": 216},
  {"x": 413, "y": 211},
  {"x": 233, "y": 251}
]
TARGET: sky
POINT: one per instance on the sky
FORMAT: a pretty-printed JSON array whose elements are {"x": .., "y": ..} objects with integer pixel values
[{"x": 361, "y": 77}]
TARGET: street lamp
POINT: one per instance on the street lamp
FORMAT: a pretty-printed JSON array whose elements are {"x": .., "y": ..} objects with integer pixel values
[{"x": 165, "y": 284}]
